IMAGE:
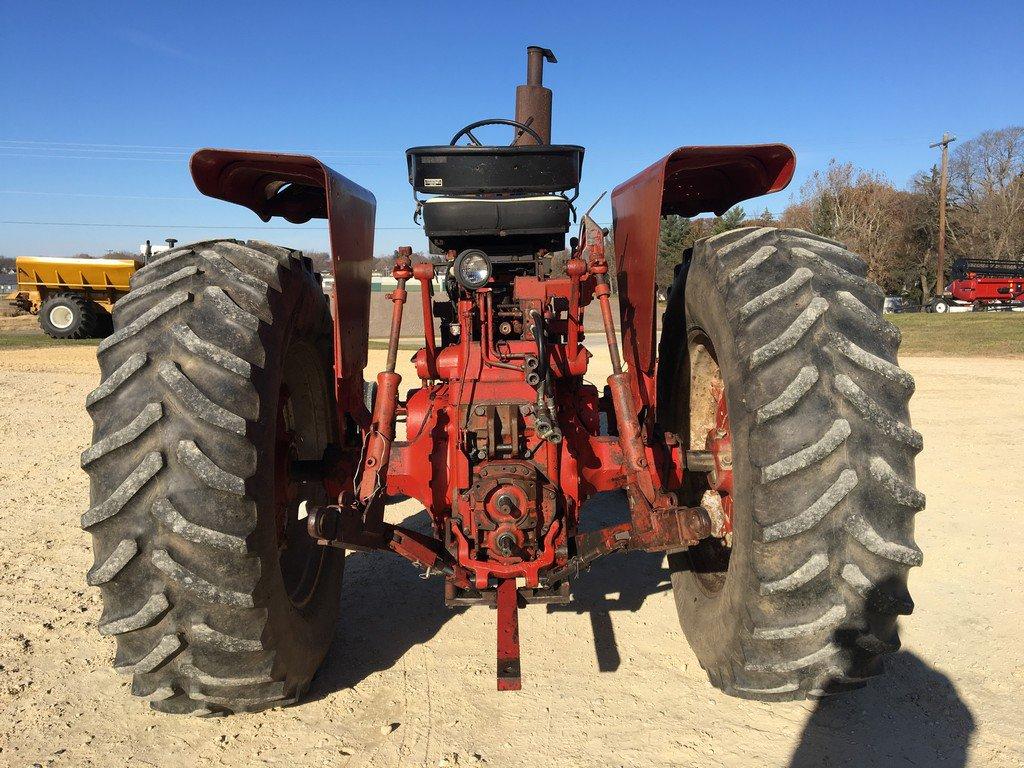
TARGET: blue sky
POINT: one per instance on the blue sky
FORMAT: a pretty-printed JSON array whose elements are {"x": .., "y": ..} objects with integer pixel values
[{"x": 103, "y": 102}]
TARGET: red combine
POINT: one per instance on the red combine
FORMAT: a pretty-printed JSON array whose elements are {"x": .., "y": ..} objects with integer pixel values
[
  {"x": 983, "y": 284},
  {"x": 763, "y": 443}
]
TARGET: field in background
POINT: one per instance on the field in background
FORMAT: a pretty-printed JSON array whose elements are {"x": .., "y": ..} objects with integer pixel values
[
  {"x": 23, "y": 332},
  {"x": 974, "y": 334},
  {"x": 34, "y": 340}
]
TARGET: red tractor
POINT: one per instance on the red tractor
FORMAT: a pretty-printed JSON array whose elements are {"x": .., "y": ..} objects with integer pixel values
[{"x": 763, "y": 443}]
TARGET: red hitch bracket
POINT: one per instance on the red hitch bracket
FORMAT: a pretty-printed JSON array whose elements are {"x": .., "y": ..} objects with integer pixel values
[{"x": 510, "y": 676}]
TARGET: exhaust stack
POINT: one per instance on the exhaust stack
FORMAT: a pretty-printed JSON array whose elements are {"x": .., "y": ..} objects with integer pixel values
[{"x": 533, "y": 100}]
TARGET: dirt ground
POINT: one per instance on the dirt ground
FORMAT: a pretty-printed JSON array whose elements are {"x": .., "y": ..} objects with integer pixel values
[
  {"x": 609, "y": 679},
  {"x": 18, "y": 324}
]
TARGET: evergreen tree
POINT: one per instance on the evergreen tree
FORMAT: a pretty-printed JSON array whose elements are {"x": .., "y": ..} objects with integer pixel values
[
  {"x": 674, "y": 238},
  {"x": 731, "y": 219}
]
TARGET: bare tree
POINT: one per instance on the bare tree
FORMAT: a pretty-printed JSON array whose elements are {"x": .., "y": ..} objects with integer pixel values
[
  {"x": 897, "y": 230},
  {"x": 908, "y": 266},
  {"x": 986, "y": 189},
  {"x": 798, "y": 215},
  {"x": 857, "y": 207},
  {"x": 321, "y": 261}
]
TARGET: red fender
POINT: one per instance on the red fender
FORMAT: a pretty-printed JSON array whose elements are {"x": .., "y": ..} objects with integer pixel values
[
  {"x": 689, "y": 181},
  {"x": 299, "y": 188}
]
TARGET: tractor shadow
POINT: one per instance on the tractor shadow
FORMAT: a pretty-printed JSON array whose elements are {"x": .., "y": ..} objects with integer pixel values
[
  {"x": 617, "y": 582},
  {"x": 912, "y": 715},
  {"x": 386, "y": 609}
]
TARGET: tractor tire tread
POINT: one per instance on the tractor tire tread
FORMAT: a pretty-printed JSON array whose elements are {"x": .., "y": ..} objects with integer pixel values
[
  {"x": 833, "y": 451},
  {"x": 182, "y": 582}
]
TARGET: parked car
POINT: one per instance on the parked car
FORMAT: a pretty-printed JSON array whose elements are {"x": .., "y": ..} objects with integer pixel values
[{"x": 896, "y": 304}]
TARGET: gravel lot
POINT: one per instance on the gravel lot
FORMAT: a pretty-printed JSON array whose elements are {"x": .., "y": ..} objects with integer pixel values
[{"x": 609, "y": 679}]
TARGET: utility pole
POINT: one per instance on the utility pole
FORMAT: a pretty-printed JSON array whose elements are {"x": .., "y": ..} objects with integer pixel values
[{"x": 947, "y": 139}]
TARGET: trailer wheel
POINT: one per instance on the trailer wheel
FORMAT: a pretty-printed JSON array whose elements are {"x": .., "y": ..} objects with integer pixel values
[
  {"x": 801, "y": 597},
  {"x": 218, "y": 376},
  {"x": 68, "y": 316}
]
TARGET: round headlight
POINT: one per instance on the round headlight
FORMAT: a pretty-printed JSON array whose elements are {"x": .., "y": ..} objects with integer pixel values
[{"x": 472, "y": 269}]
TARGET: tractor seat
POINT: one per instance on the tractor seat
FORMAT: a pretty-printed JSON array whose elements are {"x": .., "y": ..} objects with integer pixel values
[{"x": 495, "y": 217}]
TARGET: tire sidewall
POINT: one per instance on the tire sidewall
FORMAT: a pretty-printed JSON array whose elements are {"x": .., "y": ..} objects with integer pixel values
[{"x": 301, "y": 636}]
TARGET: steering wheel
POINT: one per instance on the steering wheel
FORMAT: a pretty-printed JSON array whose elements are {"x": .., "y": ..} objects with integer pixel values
[{"x": 468, "y": 131}]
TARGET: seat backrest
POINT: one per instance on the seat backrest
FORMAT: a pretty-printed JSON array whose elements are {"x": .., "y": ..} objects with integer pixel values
[{"x": 527, "y": 169}]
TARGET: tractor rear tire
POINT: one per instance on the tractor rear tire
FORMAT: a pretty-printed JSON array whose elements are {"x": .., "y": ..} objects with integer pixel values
[
  {"x": 805, "y": 601},
  {"x": 68, "y": 316},
  {"x": 218, "y": 374}
]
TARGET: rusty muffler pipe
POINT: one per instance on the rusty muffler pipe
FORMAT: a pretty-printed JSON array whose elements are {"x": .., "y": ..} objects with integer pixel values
[
  {"x": 533, "y": 100},
  {"x": 535, "y": 64}
]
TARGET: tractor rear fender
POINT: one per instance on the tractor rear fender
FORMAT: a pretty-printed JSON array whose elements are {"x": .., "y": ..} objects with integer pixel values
[
  {"x": 299, "y": 188},
  {"x": 687, "y": 182}
]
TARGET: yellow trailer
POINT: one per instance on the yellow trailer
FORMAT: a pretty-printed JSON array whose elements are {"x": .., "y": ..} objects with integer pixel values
[{"x": 72, "y": 297}]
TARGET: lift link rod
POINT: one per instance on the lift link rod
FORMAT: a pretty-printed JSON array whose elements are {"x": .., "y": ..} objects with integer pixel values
[
  {"x": 342, "y": 527},
  {"x": 424, "y": 272},
  {"x": 658, "y": 523},
  {"x": 377, "y": 452}
]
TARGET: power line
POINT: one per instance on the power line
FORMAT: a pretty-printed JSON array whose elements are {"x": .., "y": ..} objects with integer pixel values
[
  {"x": 93, "y": 157},
  {"x": 174, "y": 226},
  {"x": 196, "y": 198},
  {"x": 177, "y": 159},
  {"x": 182, "y": 226},
  {"x": 70, "y": 146},
  {"x": 96, "y": 194},
  {"x": 5, "y": 146},
  {"x": 85, "y": 144}
]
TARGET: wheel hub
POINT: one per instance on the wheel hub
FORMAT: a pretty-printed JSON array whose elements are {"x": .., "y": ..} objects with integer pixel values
[
  {"x": 709, "y": 429},
  {"x": 61, "y": 317},
  {"x": 719, "y": 444}
]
